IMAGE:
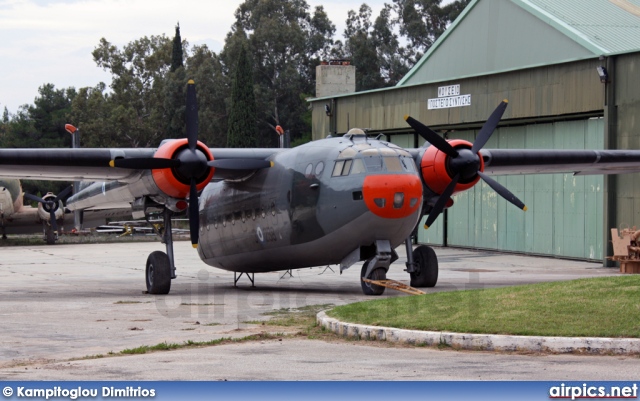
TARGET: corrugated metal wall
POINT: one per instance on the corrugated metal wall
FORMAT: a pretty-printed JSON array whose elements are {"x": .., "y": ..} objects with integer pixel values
[
  {"x": 564, "y": 89},
  {"x": 565, "y": 211},
  {"x": 627, "y": 122}
]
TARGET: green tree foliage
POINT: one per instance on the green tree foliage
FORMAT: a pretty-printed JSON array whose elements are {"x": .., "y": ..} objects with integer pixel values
[
  {"x": 361, "y": 50},
  {"x": 206, "y": 69},
  {"x": 40, "y": 125},
  {"x": 176, "y": 51},
  {"x": 175, "y": 91},
  {"x": 138, "y": 72},
  {"x": 422, "y": 22},
  {"x": 242, "y": 114},
  {"x": 286, "y": 43}
]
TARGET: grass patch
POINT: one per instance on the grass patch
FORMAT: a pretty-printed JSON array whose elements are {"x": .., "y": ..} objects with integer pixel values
[
  {"x": 599, "y": 307},
  {"x": 289, "y": 317},
  {"x": 164, "y": 346},
  {"x": 92, "y": 238}
]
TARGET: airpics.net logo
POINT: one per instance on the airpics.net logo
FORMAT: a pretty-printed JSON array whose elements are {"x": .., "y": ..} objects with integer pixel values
[{"x": 593, "y": 392}]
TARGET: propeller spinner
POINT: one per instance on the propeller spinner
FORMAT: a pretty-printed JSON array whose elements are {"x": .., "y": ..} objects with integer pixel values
[
  {"x": 51, "y": 205},
  {"x": 464, "y": 164}
]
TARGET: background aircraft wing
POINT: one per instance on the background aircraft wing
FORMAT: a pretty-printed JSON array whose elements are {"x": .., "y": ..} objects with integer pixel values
[{"x": 547, "y": 161}]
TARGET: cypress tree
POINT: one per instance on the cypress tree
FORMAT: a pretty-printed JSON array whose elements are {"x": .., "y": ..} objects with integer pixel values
[
  {"x": 176, "y": 54},
  {"x": 242, "y": 116}
]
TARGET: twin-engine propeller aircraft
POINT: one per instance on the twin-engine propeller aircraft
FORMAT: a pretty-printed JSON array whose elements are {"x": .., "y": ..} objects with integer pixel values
[{"x": 332, "y": 201}]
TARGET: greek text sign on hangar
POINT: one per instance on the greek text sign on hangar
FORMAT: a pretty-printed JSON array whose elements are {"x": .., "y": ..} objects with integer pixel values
[{"x": 570, "y": 70}]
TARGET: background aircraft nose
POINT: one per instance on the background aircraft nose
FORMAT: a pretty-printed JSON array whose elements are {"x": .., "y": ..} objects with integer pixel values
[{"x": 392, "y": 196}]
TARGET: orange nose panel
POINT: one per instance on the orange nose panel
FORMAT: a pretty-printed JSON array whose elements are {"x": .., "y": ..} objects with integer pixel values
[{"x": 392, "y": 196}]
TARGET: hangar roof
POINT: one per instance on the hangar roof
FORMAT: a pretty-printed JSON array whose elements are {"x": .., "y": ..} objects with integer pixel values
[{"x": 493, "y": 36}]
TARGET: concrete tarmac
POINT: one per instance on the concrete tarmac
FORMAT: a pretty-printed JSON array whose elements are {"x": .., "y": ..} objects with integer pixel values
[{"x": 64, "y": 302}]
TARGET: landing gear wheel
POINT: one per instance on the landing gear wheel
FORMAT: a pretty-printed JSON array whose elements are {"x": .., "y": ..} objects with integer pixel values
[
  {"x": 427, "y": 262},
  {"x": 158, "y": 273},
  {"x": 377, "y": 274},
  {"x": 49, "y": 235}
]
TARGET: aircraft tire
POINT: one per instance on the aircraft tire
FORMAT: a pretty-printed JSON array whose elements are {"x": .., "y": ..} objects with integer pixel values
[
  {"x": 158, "y": 273},
  {"x": 377, "y": 274},
  {"x": 49, "y": 236},
  {"x": 427, "y": 261}
]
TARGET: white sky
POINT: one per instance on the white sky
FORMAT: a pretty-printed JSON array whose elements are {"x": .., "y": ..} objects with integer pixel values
[{"x": 50, "y": 41}]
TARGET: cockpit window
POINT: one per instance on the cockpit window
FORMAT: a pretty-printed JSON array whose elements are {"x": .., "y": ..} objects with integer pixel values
[
  {"x": 342, "y": 168},
  {"x": 392, "y": 163},
  {"x": 373, "y": 163},
  {"x": 408, "y": 164},
  {"x": 357, "y": 167}
]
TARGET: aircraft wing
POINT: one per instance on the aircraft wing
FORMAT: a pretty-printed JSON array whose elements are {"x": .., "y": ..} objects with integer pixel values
[
  {"x": 547, "y": 161},
  {"x": 87, "y": 164}
]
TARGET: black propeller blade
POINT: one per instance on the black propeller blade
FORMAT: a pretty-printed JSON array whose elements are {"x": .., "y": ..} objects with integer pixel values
[
  {"x": 240, "y": 164},
  {"x": 442, "y": 201},
  {"x": 145, "y": 163},
  {"x": 194, "y": 213},
  {"x": 465, "y": 163},
  {"x": 192, "y": 138},
  {"x": 192, "y": 115},
  {"x": 489, "y": 126},
  {"x": 502, "y": 191},
  {"x": 431, "y": 136}
]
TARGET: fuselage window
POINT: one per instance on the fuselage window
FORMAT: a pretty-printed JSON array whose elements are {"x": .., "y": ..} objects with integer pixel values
[
  {"x": 273, "y": 208},
  {"x": 263, "y": 213},
  {"x": 308, "y": 170},
  {"x": 215, "y": 222},
  {"x": 319, "y": 168}
]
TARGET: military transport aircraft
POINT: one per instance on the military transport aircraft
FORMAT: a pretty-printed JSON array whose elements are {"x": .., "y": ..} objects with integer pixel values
[{"x": 333, "y": 201}]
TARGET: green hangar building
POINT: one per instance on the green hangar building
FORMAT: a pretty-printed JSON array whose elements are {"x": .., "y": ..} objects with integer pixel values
[{"x": 571, "y": 72}]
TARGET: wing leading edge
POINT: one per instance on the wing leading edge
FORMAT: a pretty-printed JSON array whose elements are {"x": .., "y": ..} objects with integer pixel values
[
  {"x": 548, "y": 161},
  {"x": 87, "y": 164}
]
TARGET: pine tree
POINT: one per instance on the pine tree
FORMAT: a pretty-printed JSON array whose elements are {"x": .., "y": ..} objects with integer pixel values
[{"x": 242, "y": 116}]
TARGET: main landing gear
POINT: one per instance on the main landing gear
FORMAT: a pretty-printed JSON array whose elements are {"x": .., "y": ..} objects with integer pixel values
[
  {"x": 161, "y": 269},
  {"x": 50, "y": 236},
  {"x": 422, "y": 265}
]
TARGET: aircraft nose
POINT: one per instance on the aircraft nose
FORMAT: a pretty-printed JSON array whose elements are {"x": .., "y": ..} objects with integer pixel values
[{"x": 392, "y": 196}]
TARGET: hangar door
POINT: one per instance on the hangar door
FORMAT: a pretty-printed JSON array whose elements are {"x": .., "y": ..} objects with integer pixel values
[{"x": 565, "y": 212}]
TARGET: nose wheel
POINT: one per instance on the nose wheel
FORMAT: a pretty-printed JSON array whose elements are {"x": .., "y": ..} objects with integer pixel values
[{"x": 376, "y": 274}]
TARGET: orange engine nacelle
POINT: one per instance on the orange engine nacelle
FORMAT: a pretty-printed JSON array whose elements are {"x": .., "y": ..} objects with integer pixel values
[
  {"x": 435, "y": 171},
  {"x": 169, "y": 180}
]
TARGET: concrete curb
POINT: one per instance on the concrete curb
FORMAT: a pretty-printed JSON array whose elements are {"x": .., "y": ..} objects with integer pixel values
[{"x": 487, "y": 342}]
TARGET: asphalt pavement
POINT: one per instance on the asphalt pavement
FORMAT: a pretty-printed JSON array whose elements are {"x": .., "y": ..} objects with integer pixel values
[{"x": 63, "y": 304}]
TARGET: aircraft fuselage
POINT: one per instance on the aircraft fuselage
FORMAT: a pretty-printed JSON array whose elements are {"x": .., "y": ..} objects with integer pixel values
[{"x": 317, "y": 205}]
